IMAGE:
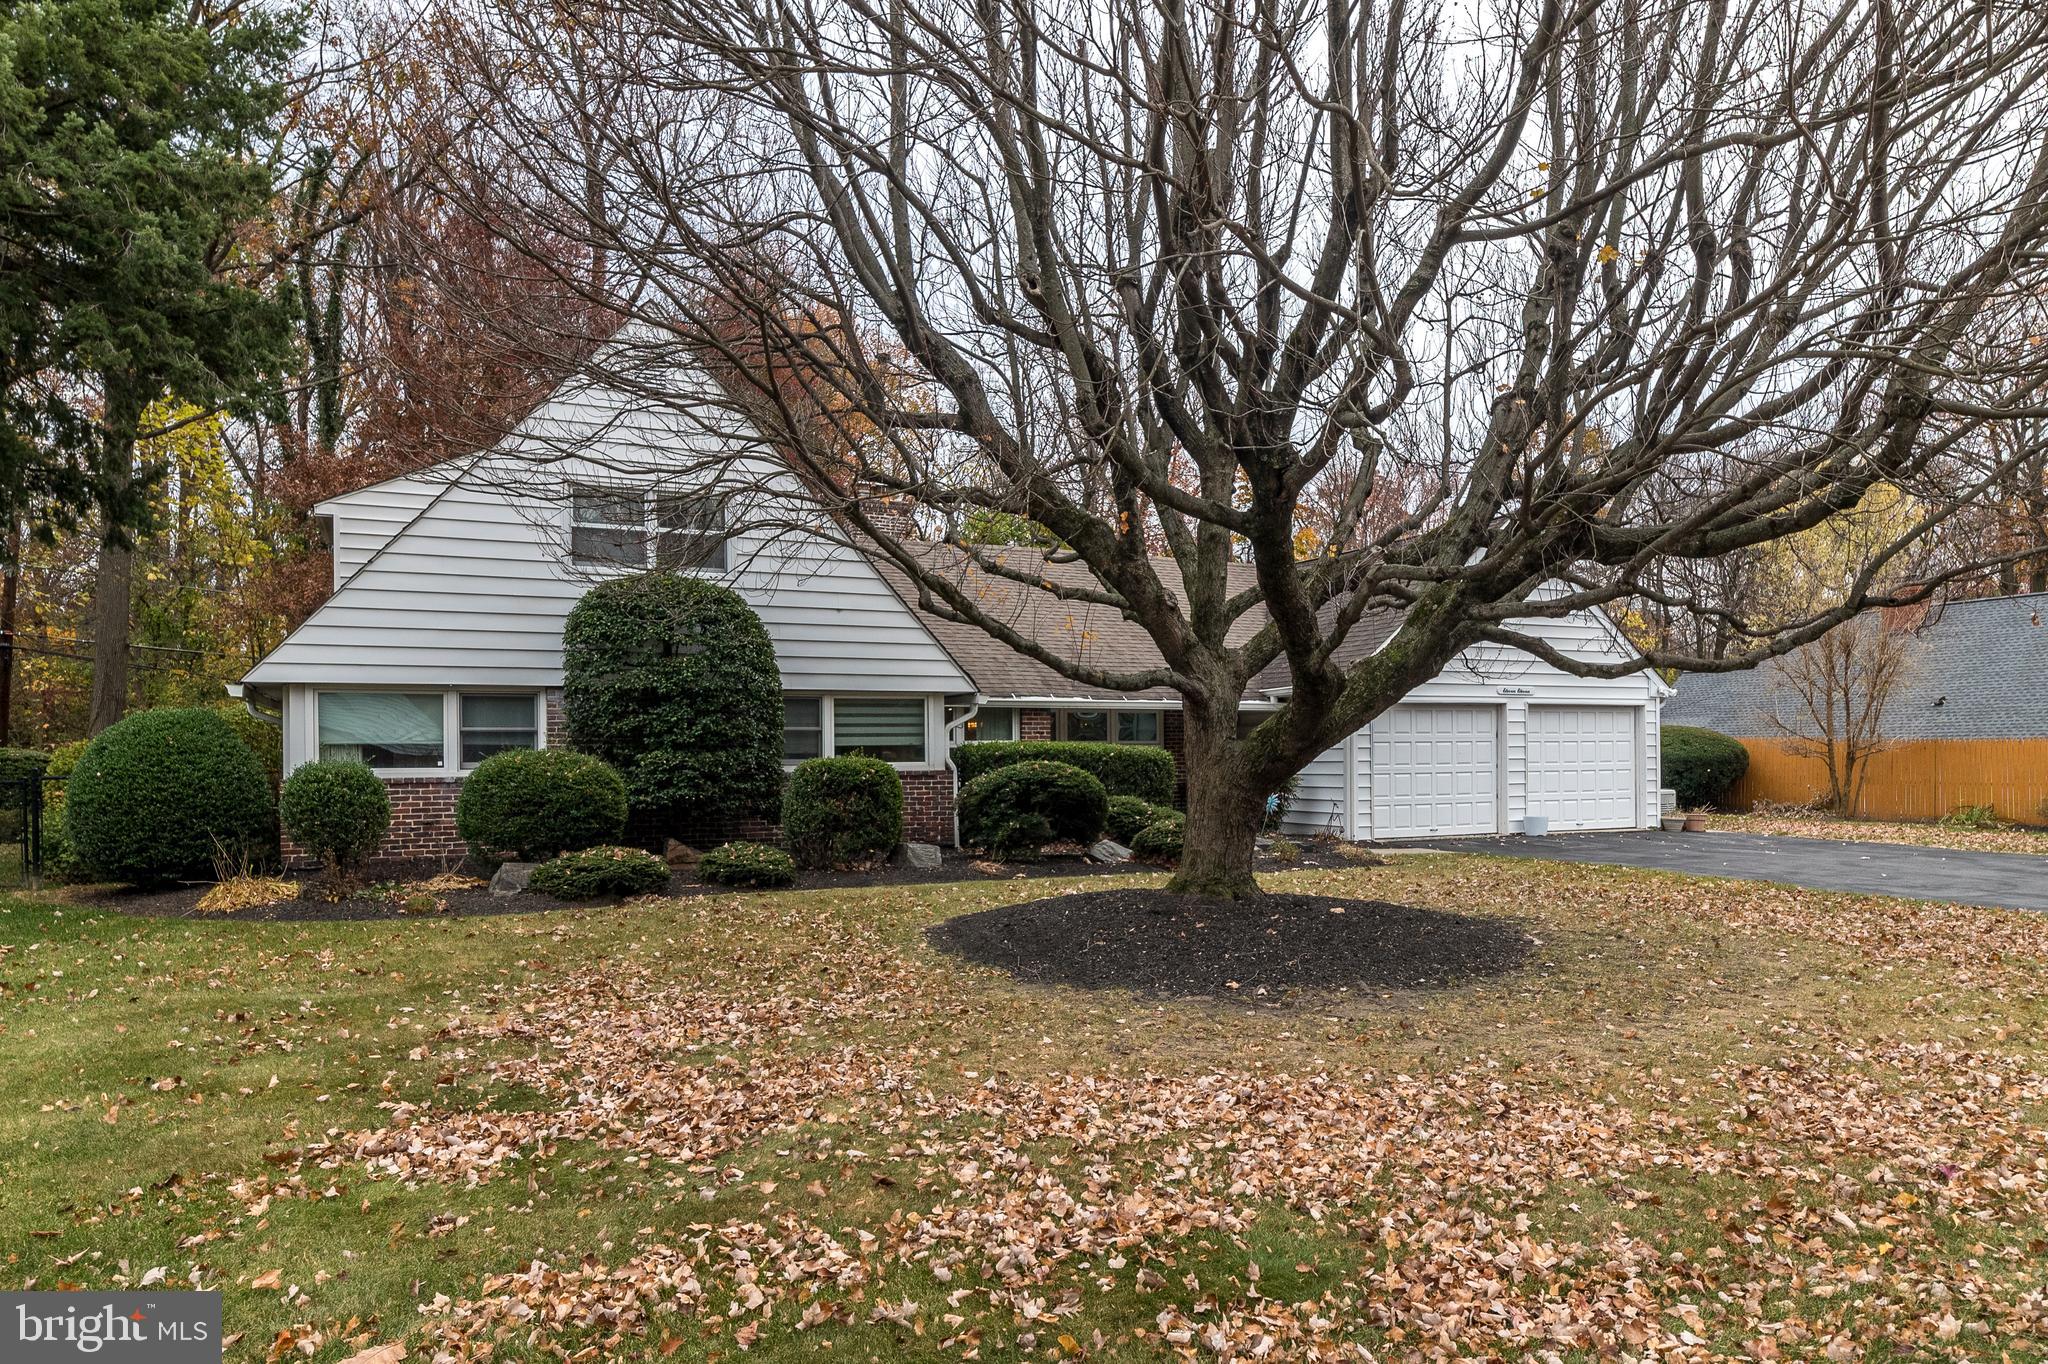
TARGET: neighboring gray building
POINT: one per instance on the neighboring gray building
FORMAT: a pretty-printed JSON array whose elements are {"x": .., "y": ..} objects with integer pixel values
[{"x": 1979, "y": 670}]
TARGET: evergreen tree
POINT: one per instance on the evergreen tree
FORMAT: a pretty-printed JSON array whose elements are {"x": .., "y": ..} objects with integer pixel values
[{"x": 136, "y": 138}]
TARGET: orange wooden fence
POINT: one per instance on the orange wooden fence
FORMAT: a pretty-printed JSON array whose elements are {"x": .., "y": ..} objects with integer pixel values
[{"x": 1916, "y": 779}]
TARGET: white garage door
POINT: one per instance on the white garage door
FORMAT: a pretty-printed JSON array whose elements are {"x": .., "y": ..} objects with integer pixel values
[
  {"x": 1582, "y": 766},
  {"x": 1433, "y": 771}
]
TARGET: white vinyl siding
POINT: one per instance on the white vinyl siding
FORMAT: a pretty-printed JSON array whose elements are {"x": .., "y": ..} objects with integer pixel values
[{"x": 462, "y": 576}]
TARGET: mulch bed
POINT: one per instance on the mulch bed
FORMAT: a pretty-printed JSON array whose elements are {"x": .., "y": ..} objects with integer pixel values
[{"x": 1158, "y": 943}]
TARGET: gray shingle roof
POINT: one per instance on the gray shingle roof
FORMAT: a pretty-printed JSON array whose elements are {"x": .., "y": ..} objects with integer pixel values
[
  {"x": 1979, "y": 671},
  {"x": 1084, "y": 632}
]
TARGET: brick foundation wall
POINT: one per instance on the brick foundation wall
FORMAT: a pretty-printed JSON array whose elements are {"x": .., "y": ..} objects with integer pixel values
[
  {"x": 422, "y": 824},
  {"x": 927, "y": 818}
]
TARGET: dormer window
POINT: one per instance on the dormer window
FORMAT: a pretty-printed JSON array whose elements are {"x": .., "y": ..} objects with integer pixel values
[{"x": 686, "y": 530}]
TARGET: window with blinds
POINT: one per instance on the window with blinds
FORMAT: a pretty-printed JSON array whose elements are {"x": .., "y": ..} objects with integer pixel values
[
  {"x": 383, "y": 729},
  {"x": 892, "y": 730},
  {"x": 497, "y": 724}
]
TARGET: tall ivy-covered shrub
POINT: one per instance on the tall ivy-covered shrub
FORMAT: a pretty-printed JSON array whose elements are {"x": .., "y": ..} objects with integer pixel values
[
  {"x": 167, "y": 795},
  {"x": 672, "y": 680}
]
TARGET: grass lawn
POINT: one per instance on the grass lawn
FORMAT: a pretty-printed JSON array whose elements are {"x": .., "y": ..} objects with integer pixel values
[{"x": 1712, "y": 1121}]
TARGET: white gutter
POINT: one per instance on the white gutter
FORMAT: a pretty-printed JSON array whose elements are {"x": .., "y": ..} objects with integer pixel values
[{"x": 973, "y": 709}]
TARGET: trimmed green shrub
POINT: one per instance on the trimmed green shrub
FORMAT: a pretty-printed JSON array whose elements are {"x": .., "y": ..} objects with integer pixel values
[
  {"x": 167, "y": 795},
  {"x": 336, "y": 810},
  {"x": 1017, "y": 809},
  {"x": 58, "y": 862},
  {"x": 1123, "y": 769},
  {"x": 840, "y": 812},
  {"x": 672, "y": 680},
  {"x": 747, "y": 864},
  {"x": 1701, "y": 764},
  {"x": 599, "y": 873},
  {"x": 539, "y": 803},
  {"x": 18, "y": 765},
  {"x": 1128, "y": 814},
  {"x": 264, "y": 739},
  {"x": 1160, "y": 840}
]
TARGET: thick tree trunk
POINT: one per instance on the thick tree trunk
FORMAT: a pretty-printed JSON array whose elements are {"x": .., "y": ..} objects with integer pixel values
[
  {"x": 112, "y": 599},
  {"x": 1225, "y": 808},
  {"x": 10, "y": 606}
]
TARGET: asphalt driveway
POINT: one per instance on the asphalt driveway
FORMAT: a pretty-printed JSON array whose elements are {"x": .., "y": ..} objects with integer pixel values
[{"x": 2006, "y": 880}]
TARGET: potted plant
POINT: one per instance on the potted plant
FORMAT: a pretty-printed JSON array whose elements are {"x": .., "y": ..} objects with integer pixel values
[{"x": 1695, "y": 821}]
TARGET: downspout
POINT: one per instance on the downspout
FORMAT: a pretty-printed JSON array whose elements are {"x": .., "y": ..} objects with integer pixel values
[
  {"x": 273, "y": 718},
  {"x": 973, "y": 709}
]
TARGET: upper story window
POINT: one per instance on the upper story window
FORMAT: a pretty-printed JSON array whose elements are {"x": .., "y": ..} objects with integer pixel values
[
  {"x": 607, "y": 526},
  {"x": 618, "y": 526},
  {"x": 689, "y": 531}
]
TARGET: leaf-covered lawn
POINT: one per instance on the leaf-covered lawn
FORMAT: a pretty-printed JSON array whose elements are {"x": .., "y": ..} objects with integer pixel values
[
  {"x": 2010, "y": 839},
  {"x": 1716, "y": 1120}
]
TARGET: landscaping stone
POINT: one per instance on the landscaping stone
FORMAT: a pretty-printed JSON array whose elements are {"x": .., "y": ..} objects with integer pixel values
[
  {"x": 511, "y": 879},
  {"x": 923, "y": 856},
  {"x": 1108, "y": 850}
]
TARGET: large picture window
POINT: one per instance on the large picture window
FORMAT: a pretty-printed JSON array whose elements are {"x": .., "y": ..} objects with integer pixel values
[
  {"x": 891, "y": 729},
  {"x": 1110, "y": 726},
  {"x": 990, "y": 726},
  {"x": 497, "y": 724},
  {"x": 383, "y": 729}
]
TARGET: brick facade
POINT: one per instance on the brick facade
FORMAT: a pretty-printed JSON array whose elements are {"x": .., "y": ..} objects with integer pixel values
[{"x": 1034, "y": 724}]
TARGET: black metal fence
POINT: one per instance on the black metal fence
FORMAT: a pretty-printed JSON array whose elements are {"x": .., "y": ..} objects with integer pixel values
[{"x": 23, "y": 807}]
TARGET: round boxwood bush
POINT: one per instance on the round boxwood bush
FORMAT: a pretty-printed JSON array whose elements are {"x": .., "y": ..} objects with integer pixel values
[
  {"x": 335, "y": 810},
  {"x": 1017, "y": 809},
  {"x": 1123, "y": 769},
  {"x": 167, "y": 795},
  {"x": 540, "y": 803},
  {"x": 672, "y": 680},
  {"x": 747, "y": 864},
  {"x": 1701, "y": 764},
  {"x": 1128, "y": 814},
  {"x": 842, "y": 812},
  {"x": 599, "y": 873},
  {"x": 1160, "y": 840}
]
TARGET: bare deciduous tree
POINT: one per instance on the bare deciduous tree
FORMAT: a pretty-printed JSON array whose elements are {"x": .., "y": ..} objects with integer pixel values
[
  {"x": 1600, "y": 288},
  {"x": 1831, "y": 698}
]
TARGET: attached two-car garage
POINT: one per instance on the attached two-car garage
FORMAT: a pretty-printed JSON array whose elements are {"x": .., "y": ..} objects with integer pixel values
[
  {"x": 1450, "y": 770},
  {"x": 1479, "y": 750}
]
